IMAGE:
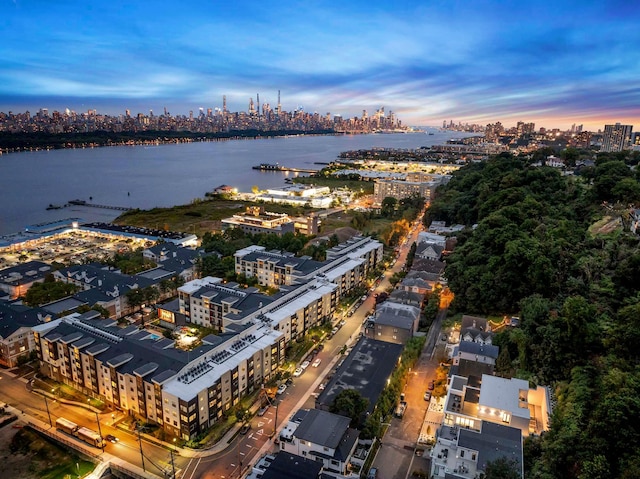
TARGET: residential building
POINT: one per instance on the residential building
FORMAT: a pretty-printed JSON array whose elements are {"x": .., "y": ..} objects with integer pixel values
[
  {"x": 175, "y": 259},
  {"x": 17, "y": 280},
  {"x": 347, "y": 265},
  {"x": 322, "y": 436},
  {"x": 366, "y": 369},
  {"x": 477, "y": 330},
  {"x": 393, "y": 322},
  {"x": 464, "y": 454},
  {"x": 16, "y": 338},
  {"x": 400, "y": 189},
  {"x": 616, "y": 137},
  {"x": 284, "y": 465},
  {"x": 106, "y": 287},
  {"x": 472, "y": 401},
  {"x": 184, "y": 392},
  {"x": 475, "y": 351},
  {"x": 430, "y": 251}
]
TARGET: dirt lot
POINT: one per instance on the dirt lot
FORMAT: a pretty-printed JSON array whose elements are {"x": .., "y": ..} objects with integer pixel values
[{"x": 26, "y": 455}]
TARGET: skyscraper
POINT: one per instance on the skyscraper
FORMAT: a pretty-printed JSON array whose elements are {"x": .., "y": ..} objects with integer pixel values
[{"x": 616, "y": 137}]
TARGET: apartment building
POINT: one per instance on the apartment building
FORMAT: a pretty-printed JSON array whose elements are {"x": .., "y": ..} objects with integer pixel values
[{"x": 184, "y": 392}]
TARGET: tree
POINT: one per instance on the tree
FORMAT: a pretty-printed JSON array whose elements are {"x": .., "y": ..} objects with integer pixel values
[
  {"x": 388, "y": 209},
  {"x": 350, "y": 403},
  {"x": 502, "y": 468}
]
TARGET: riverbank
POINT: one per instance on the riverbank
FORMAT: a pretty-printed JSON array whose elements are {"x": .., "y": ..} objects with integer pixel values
[{"x": 27, "y": 141}]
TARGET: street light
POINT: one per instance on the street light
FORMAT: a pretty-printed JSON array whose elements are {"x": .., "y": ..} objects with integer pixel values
[{"x": 99, "y": 428}]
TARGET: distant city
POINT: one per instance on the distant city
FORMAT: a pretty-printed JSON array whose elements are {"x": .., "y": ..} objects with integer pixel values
[{"x": 261, "y": 117}]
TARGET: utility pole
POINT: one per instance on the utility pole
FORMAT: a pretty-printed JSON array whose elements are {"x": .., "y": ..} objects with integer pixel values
[
  {"x": 141, "y": 454},
  {"x": 46, "y": 403},
  {"x": 173, "y": 466},
  {"x": 99, "y": 430}
]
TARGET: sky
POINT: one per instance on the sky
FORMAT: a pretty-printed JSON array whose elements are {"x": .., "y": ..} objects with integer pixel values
[{"x": 553, "y": 63}]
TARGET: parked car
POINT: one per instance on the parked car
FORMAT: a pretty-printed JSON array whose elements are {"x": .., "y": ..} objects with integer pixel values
[
  {"x": 342, "y": 323},
  {"x": 373, "y": 473},
  {"x": 317, "y": 362},
  {"x": 263, "y": 410},
  {"x": 432, "y": 385},
  {"x": 305, "y": 365},
  {"x": 245, "y": 428},
  {"x": 298, "y": 372},
  {"x": 427, "y": 396},
  {"x": 282, "y": 388},
  {"x": 334, "y": 331}
]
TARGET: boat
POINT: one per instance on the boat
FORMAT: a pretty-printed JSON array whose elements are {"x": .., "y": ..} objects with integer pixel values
[
  {"x": 269, "y": 166},
  {"x": 54, "y": 207},
  {"x": 77, "y": 202}
]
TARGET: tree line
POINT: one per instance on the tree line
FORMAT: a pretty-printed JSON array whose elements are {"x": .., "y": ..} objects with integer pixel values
[{"x": 532, "y": 249}]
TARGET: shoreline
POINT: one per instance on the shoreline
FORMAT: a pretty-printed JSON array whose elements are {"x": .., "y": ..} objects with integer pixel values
[{"x": 163, "y": 140}]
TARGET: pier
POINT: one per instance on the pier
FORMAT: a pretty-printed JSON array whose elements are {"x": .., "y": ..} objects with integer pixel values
[
  {"x": 93, "y": 205},
  {"x": 277, "y": 167}
]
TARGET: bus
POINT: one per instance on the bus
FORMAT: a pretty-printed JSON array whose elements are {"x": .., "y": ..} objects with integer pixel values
[
  {"x": 83, "y": 433},
  {"x": 90, "y": 437},
  {"x": 66, "y": 426}
]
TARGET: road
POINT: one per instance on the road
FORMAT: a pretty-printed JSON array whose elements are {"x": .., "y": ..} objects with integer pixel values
[{"x": 16, "y": 392}]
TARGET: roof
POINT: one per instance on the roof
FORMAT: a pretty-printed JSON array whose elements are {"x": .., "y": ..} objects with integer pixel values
[
  {"x": 323, "y": 428},
  {"x": 25, "y": 273},
  {"x": 366, "y": 370},
  {"x": 13, "y": 317},
  {"x": 291, "y": 466},
  {"x": 493, "y": 442},
  {"x": 488, "y": 350},
  {"x": 505, "y": 394}
]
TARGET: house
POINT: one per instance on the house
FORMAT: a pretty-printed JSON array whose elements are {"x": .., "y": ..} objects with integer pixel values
[
  {"x": 481, "y": 353},
  {"x": 322, "y": 436},
  {"x": 472, "y": 401},
  {"x": 463, "y": 453},
  {"x": 477, "y": 330},
  {"x": 415, "y": 284},
  {"x": 429, "y": 251},
  {"x": 17, "y": 280},
  {"x": 393, "y": 322}
]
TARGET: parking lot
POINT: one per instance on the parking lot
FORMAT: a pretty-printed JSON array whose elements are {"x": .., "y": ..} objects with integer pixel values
[{"x": 74, "y": 247}]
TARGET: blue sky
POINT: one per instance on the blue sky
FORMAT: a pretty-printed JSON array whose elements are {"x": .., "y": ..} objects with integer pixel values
[{"x": 555, "y": 63}]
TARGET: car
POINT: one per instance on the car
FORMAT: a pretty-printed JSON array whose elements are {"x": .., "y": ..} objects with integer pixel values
[
  {"x": 245, "y": 428},
  {"x": 281, "y": 389},
  {"x": 443, "y": 337},
  {"x": 322, "y": 386},
  {"x": 289, "y": 382},
  {"x": 342, "y": 323},
  {"x": 111, "y": 438},
  {"x": 317, "y": 362},
  {"x": 334, "y": 331},
  {"x": 427, "y": 396},
  {"x": 373, "y": 473},
  {"x": 298, "y": 372},
  {"x": 305, "y": 365},
  {"x": 432, "y": 385},
  {"x": 263, "y": 410}
]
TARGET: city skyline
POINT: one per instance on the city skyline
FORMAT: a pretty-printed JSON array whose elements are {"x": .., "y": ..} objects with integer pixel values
[{"x": 477, "y": 62}]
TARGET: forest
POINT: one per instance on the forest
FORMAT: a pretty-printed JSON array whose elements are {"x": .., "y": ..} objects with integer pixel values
[{"x": 556, "y": 251}]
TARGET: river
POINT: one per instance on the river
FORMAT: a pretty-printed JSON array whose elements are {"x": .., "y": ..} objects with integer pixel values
[{"x": 165, "y": 175}]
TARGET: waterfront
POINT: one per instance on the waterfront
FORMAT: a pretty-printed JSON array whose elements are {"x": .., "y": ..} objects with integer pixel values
[{"x": 166, "y": 175}]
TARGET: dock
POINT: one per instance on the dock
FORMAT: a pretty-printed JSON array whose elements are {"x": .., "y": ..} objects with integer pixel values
[
  {"x": 277, "y": 167},
  {"x": 94, "y": 205}
]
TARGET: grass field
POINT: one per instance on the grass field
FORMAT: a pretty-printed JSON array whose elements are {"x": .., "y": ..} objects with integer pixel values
[
  {"x": 354, "y": 185},
  {"x": 33, "y": 456}
]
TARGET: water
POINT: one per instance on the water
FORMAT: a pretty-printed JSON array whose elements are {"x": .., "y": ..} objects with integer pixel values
[{"x": 165, "y": 175}]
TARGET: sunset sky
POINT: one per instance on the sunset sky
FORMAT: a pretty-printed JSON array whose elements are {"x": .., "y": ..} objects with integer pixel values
[{"x": 552, "y": 63}]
